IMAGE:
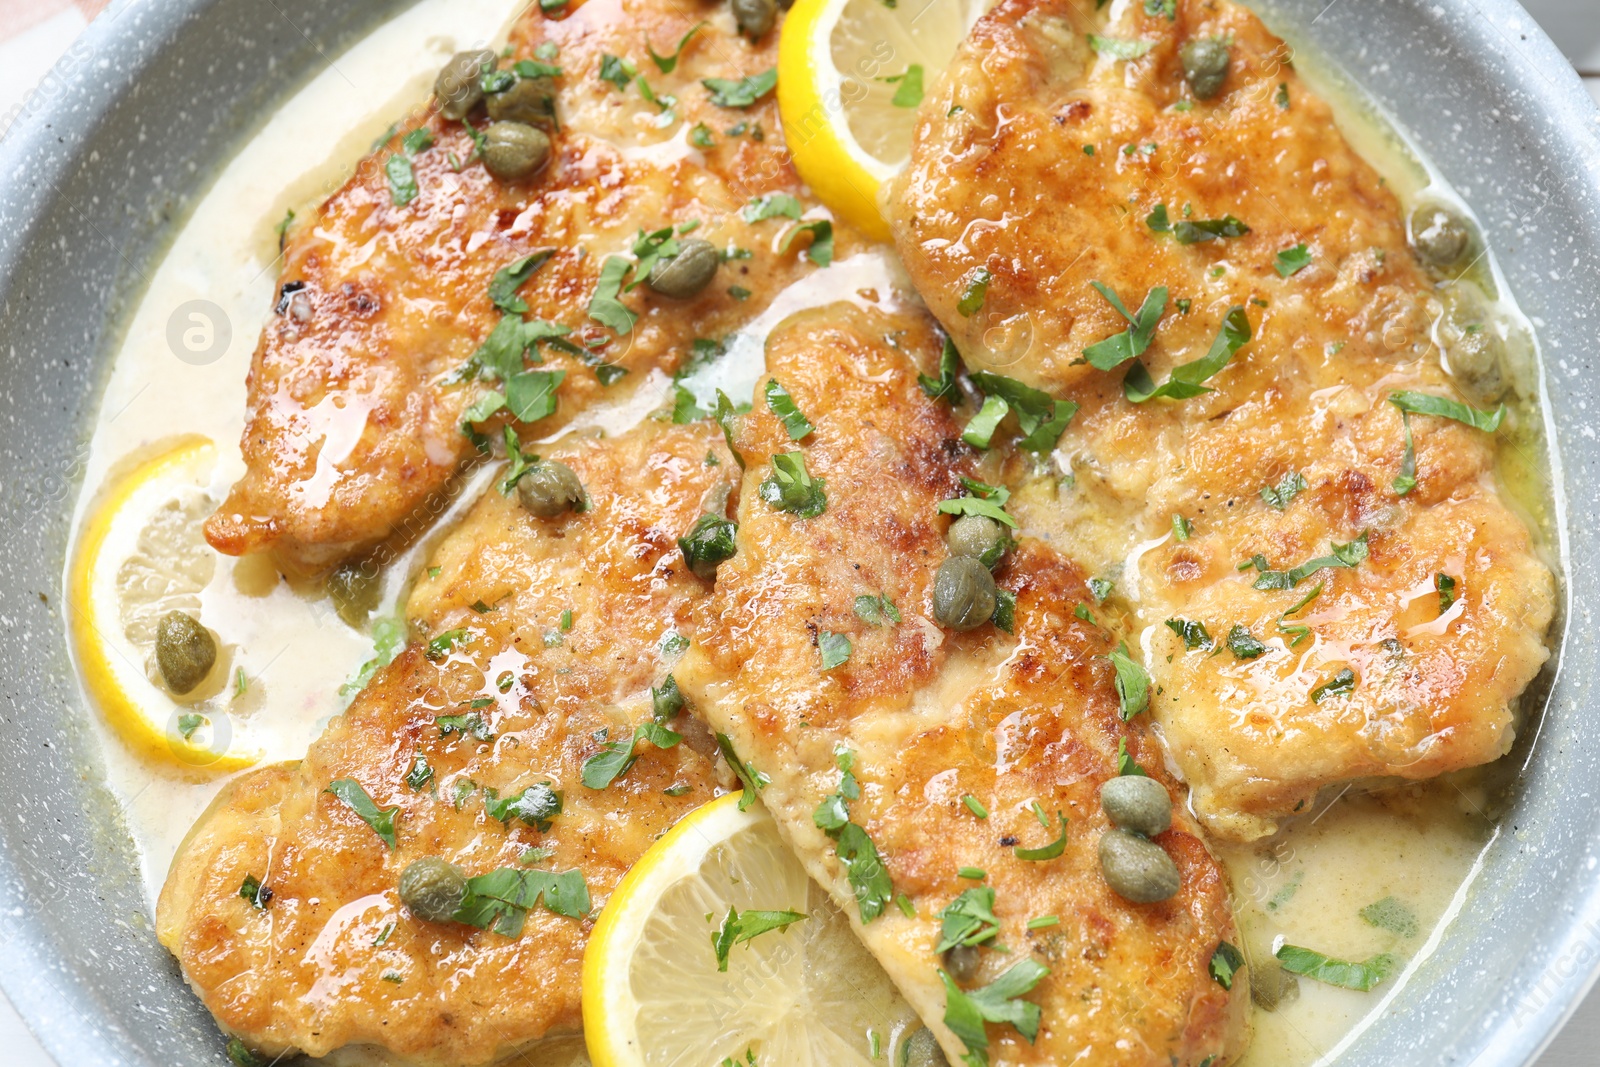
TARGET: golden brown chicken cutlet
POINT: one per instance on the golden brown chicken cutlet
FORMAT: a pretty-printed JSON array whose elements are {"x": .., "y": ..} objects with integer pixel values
[
  {"x": 473, "y": 741},
  {"x": 1275, "y": 396},
  {"x": 819, "y": 656}
]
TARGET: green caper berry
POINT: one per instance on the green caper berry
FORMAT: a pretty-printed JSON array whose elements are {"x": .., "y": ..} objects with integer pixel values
[
  {"x": 1271, "y": 985},
  {"x": 354, "y": 589},
  {"x": 513, "y": 150},
  {"x": 755, "y": 17},
  {"x": 456, "y": 88},
  {"x": 978, "y": 536},
  {"x": 1137, "y": 869},
  {"x": 1440, "y": 236},
  {"x": 922, "y": 1050},
  {"x": 685, "y": 274},
  {"x": 185, "y": 651},
  {"x": 1137, "y": 804},
  {"x": 963, "y": 594},
  {"x": 549, "y": 488},
  {"x": 962, "y": 963},
  {"x": 530, "y": 101},
  {"x": 1205, "y": 65},
  {"x": 432, "y": 888}
]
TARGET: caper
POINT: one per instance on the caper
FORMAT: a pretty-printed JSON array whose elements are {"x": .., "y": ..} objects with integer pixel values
[
  {"x": 1271, "y": 985},
  {"x": 963, "y": 593},
  {"x": 549, "y": 488},
  {"x": 185, "y": 651},
  {"x": 755, "y": 17},
  {"x": 513, "y": 150},
  {"x": 456, "y": 88},
  {"x": 1137, "y": 804},
  {"x": 354, "y": 589},
  {"x": 685, "y": 274},
  {"x": 1205, "y": 65},
  {"x": 530, "y": 101},
  {"x": 1137, "y": 869},
  {"x": 1440, "y": 236},
  {"x": 922, "y": 1050},
  {"x": 978, "y": 536},
  {"x": 962, "y": 963},
  {"x": 432, "y": 888}
]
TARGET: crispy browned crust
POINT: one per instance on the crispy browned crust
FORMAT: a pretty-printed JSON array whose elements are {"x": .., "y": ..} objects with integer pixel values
[
  {"x": 1308, "y": 393},
  {"x": 353, "y": 427},
  {"x": 934, "y": 715},
  {"x": 306, "y": 973}
]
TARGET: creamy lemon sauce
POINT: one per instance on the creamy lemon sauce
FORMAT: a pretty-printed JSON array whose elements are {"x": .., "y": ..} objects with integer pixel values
[{"x": 1406, "y": 855}]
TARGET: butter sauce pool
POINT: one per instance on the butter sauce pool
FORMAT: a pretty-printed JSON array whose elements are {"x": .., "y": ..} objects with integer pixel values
[{"x": 1416, "y": 847}]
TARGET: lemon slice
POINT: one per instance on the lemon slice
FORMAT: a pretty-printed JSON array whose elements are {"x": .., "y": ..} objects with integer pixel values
[
  {"x": 847, "y": 133},
  {"x": 141, "y": 555},
  {"x": 808, "y": 996}
]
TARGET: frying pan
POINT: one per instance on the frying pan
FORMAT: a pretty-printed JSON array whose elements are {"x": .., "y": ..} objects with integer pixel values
[{"x": 119, "y": 142}]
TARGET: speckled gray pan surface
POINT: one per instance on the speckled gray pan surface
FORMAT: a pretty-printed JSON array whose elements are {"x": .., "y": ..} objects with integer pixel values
[{"x": 121, "y": 140}]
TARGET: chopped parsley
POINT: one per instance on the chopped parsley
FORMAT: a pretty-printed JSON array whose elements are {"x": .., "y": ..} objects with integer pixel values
[
  {"x": 974, "y": 292},
  {"x": 1346, "y": 555},
  {"x": 986, "y": 500},
  {"x": 500, "y": 900},
  {"x": 741, "y": 92},
  {"x": 615, "y": 757},
  {"x": 725, "y": 413},
  {"x": 1041, "y": 417},
  {"x": 1343, "y": 681},
  {"x": 536, "y": 805},
  {"x": 968, "y": 921},
  {"x": 508, "y": 279},
  {"x": 908, "y": 86},
  {"x": 1292, "y": 261},
  {"x": 835, "y": 649},
  {"x": 666, "y": 64},
  {"x": 1243, "y": 644},
  {"x": 1226, "y": 962},
  {"x": 1049, "y": 851},
  {"x": 1193, "y": 633},
  {"x": 820, "y": 251},
  {"x": 257, "y": 894},
  {"x": 188, "y": 723},
  {"x": 402, "y": 180},
  {"x": 1282, "y": 97},
  {"x": 876, "y": 610},
  {"x": 420, "y": 773},
  {"x": 1411, "y": 403},
  {"x": 604, "y": 307},
  {"x": 1189, "y": 232},
  {"x": 1184, "y": 381},
  {"x": 771, "y": 206},
  {"x": 441, "y": 646},
  {"x": 752, "y": 780},
  {"x": 1279, "y": 496},
  {"x": 944, "y": 386},
  {"x": 1309, "y": 963},
  {"x": 469, "y": 724},
  {"x": 1182, "y": 528},
  {"x": 380, "y": 819},
  {"x": 1117, "y": 349},
  {"x": 1100, "y": 588},
  {"x": 790, "y": 487},
  {"x": 1446, "y": 586},
  {"x": 738, "y": 927},
  {"x": 616, "y": 70},
  {"x": 1043, "y": 921},
  {"x": 710, "y": 541},
  {"x": 700, "y": 136},
  {"x": 998, "y": 1002},
  {"x": 1391, "y": 915},
  {"x": 975, "y": 806},
  {"x": 859, "y": 856},
  {"x": 1126, "y": 766},
  {"x": 1133, "y": 683},
  {"x": 1005, "y": 610},
  {"x": 788, "y": 412},
  {"x": 1119, "y": 47}
]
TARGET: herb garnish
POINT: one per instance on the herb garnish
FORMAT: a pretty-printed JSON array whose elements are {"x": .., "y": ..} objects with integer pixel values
[
  {"x": 909, "y": 90},
  {"x": 604, "y": 307},
  {"x": 500, "y": 900},
  {"x": 1292, "y": 261},
  {"x": 1125, "y": 764},
  {"x": 788, "y": 412},
  {"x": 1343, "y": 681},
  {"x": 790, "y": 487},
  {"x": 666, "y": 64},
  {"x": 1446, "y": 586},
  {"x": 835, "y": 649},
  {"x": 1309, "y": 963},
  {"x": 1119, "y": 47},
  {"x": 863, "y": 866},
  {"x": 986, "y": 500},
  {"x": 420, "y": 773},
  {"x": 1243, "y": 644},
  {"x": 771, "y": 206},
  {"x": 944, "y": 386},
  {"x": 968, "y": 920},
  {"x": 1184, "y": 381},
  {"x": 1133, "y": 684},
  {"x": 876, "y": 610},
  {"x": 257, "y": 894},
  {"x": 1412, "y": 403},
  {"x": 820, "y": 251},
  {"x": 709, "y": 542},
  {"x": 1188, "y": 232},
  {"x": 1391, "y": 915},
  {"x": 998, "y": 1002},
  {"x": 1346, "y": 555},
  {"x": 1279, "y": 496},
  {"x": 1049, "y": 851},
  {"x": 1193, "y": 633},
  {"x": 742, "y": 92},
  {"x": 738, "y": 927},
  {"x": 1041, "y": 417},
  {"x": 1225, "y": 963},
  {"x": 536, "y": 805},
  {"x": 1121, "y": 347},
  {"x": 380, "y": 819},
  {"x": 752, "y": 780},
  {"x": 974, "y": 292}
]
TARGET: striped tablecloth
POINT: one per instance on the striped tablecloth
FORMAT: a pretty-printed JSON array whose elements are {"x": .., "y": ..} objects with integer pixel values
[{"x": 36, "y": 34}]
